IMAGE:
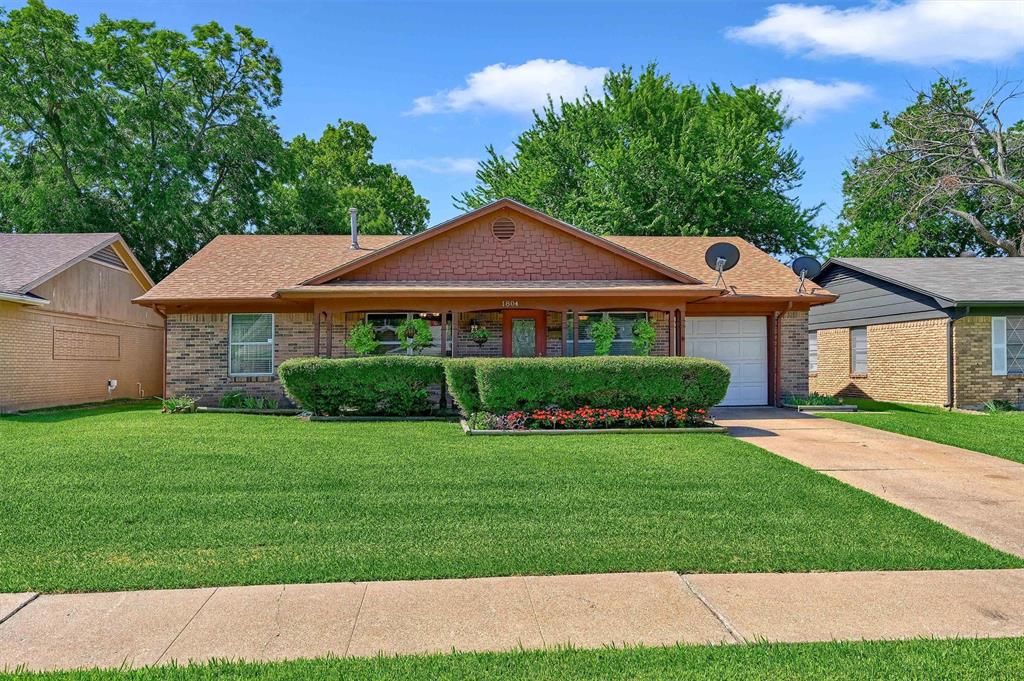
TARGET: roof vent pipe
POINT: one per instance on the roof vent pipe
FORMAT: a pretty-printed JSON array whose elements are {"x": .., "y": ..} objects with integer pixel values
[{"x": 355, "y": 229}]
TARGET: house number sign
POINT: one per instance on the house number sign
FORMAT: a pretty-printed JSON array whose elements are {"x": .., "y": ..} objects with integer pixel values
[{"x": 510, "y": 303}]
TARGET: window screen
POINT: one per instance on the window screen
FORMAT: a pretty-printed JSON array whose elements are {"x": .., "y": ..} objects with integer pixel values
[
  {"x": 812, "y": 352},
  {"x": 251, "y": 344},
  {"x": 859, "y": 350}
]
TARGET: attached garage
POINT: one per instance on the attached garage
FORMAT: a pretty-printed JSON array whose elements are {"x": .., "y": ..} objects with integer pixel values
[{"x": 741, "y": 343}]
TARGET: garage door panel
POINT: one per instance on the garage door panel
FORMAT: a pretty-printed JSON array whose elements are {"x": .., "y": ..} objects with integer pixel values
[{"x": 741, "y": 343}]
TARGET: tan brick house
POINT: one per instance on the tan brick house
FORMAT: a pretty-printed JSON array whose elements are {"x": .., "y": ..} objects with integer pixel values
[
  {"x": 68, "y": 330},
  {"x": 245, "y": 303},
  {"x": 940, "y": 331}
]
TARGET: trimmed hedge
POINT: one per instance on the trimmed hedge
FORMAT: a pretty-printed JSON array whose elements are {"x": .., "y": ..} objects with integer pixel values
[
  {"x": 504, "y": 385},
  {"x": 461, "y": 377},
  {"x": 387, "y": 385}
]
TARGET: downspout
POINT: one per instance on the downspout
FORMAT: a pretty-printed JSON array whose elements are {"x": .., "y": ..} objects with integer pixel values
[
  {"x": 777, "y": 378},
  {"x": 163, "y": 373}
]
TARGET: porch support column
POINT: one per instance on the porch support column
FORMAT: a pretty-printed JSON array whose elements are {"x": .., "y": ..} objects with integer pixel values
[
  {"x": 330, "y": 333},
  {"x": 444, "y": 333},
  {"x": 681, "y": 331},
  {"x": 673, "y": 333},
  {"x": 455, "y": 334},
  {"x": 316, "y": 332}
]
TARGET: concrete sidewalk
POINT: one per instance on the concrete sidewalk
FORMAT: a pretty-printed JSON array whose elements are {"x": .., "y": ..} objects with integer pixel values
[
  {"x": 262, "y": 623},
  {"x": 977, "y": 494}
]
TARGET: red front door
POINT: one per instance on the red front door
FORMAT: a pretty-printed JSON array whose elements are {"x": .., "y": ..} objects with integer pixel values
[{"x": 524, "y": 333}]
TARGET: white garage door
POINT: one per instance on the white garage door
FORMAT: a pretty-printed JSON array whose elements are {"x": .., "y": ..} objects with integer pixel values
[{"x": 741, "y": 343}]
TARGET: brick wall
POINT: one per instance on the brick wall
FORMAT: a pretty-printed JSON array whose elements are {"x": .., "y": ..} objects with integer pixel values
[
  {"x": 197, "y": 355},
  {"x": 793, "y": 354},
  {"x": 472, "y": 253},
  {"x": 906, "y": 363},
  {"x": 974, "y": 383},
  {"x": 51, "y": 359}
]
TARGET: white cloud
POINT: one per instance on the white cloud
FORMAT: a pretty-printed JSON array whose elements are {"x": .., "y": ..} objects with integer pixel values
[
  {"x": 518, "y": 88},
  {"x": 441, "y": 165},
  {"x": 927, "y": 32},
  {"x": 806, "y": 99}
]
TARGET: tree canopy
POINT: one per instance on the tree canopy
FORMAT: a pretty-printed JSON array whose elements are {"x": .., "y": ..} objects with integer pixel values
[
  {"x": 948, "y": 178},
  {"x": 652, "y": 157},
  {"x": 320, "y": 180},
  {"x": 168, "y": 139}
]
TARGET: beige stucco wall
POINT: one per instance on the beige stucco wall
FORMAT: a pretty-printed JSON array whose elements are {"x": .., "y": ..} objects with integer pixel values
[{"x": 65, "y": 352}]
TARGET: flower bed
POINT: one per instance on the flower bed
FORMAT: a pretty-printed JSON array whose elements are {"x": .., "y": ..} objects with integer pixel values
[{"x": 591, "y": 418}]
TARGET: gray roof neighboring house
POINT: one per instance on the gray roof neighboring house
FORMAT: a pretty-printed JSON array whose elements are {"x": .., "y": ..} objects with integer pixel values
[
  {"x": 951, "y": 281},
  {"x": 28, "y": 260}
]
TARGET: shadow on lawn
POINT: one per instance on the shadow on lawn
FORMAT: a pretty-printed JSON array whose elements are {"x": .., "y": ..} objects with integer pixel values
[{"x": 58, "y": 414}]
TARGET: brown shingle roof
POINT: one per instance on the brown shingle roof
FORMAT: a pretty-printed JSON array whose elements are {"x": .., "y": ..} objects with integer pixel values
[
  {"x": 27, "y": 260},
  {"x": 257, "y": 265},
  {"x": 757, "y": 273}
]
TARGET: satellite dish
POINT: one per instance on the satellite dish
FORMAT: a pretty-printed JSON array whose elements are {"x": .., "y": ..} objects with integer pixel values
[
  {"x": 805, "y": 267},
  {"x": 721, "y": 257}
]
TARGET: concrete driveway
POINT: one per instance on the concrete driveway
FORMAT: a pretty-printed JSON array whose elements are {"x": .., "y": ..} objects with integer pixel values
[{"x": 977, "y": 494}]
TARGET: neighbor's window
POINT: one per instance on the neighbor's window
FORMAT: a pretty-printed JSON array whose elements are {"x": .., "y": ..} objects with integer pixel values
[
  {"x": 812, "y": 352},
  {"x": 623, "y": 343},
  {"x": 859, "y": 351},
  {"x": 385, "y": 326},
  {"x": 1008, "y": 346},
  {"x": 252, "y": 344}
]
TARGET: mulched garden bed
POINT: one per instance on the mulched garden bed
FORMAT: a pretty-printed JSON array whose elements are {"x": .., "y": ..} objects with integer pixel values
[{"x": 697, "y": 430}]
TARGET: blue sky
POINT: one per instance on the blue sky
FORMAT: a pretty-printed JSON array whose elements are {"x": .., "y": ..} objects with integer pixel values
[{"x": 437, "y": 82}]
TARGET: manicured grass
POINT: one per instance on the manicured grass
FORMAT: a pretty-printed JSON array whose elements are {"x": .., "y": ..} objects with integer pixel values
[
  {"x": 1000, "y": 434},
  {"x": 893, "y": 660},
  {"x": 122, "y": 498}
]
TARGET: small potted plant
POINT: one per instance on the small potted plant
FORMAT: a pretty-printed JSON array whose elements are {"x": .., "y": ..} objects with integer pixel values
[
  {"x": 478, "y": 334},
  {"x": 415, "y": 335},
  {"x": 643, "y": 337},
  {"x": 363, "y": 340},
  {"x": 603, "y": 333}
]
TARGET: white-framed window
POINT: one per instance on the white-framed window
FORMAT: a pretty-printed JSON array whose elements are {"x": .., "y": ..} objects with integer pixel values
[
  {"x": 812, "y": 352},
  {"x": 385, "y": 327},
  {"x": 1008, "y": 346},
  {"x": 859, "y": 351},
  {"x": 624, "y": 321},
  {"x": 251, "y": 344}
]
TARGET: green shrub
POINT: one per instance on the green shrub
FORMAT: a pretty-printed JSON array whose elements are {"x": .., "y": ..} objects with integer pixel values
[
  {"x": 460, "y": 375},
  {"x": 362, "y": 339},
  {"x": 388, "y": 385},
  {"x": 506, "y": 385},
  {"x": 178, "y": 405},
  {"x": 814, "y": 399},
  {"x": 232, "y": 400}
]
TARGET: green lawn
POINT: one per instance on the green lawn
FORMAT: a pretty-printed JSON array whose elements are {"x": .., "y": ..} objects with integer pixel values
[
  {"x": 128, "y": 498},
  {"x": 892, "y": 660},
  {"x": 999, "y": 434}
]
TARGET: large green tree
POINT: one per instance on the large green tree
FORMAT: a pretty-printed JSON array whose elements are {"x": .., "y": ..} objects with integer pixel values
[
  {"x": 652, "y": 157},
  {"x": 148, "y": 132},
  {"x": 319, "y": 180},
  {"x": 948, "y": 177}
]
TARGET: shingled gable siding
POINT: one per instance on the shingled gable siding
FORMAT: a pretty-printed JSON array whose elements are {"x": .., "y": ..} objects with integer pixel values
[
  {"x": 906, "y": 363},
  {"x": 536, "y": 252}
]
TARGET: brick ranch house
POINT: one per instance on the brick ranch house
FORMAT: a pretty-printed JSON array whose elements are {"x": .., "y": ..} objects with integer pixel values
[
  {"x": 245, "y": 303},
  {"x": 68, "y": 330},
  {"x": 939, "y": 331}
]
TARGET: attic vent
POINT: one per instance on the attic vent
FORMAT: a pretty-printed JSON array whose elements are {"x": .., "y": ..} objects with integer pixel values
[
  {"x": 108, "y": 256},
  {"x": 503, "y": 229}
]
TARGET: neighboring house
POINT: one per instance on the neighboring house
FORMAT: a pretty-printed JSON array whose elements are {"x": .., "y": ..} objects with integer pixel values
[
  {"x": 245, "y": 303},
  {"x": 942, "y": 331},
  {"x": 68, "y": 328}
]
